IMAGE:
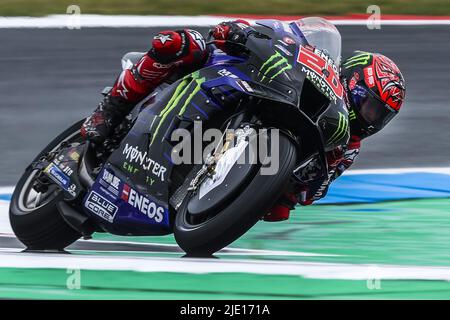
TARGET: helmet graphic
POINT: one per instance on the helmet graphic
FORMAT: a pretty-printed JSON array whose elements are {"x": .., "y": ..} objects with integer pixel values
[{"x": 375, "y": 89}]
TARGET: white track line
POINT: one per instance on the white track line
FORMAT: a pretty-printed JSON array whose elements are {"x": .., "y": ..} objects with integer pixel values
[
  {"x": 201, "y": 266},
  {"x": 230, "y": 251},
  {"x": 125, "y": 21}
]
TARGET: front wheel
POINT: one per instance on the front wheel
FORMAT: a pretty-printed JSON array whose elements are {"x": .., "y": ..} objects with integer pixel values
[
  {"x": 34, "y": 216},
  {"x": 252, "y": 200}
]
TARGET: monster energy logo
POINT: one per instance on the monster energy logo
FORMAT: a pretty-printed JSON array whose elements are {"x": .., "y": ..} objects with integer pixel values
[
  {"x": 275, "y": 62},
  {"x": 191, "y": 83},
  {"x": 359, "y": 59},
  {"x": 341, "y": 129},
  {"x": 352, "y": 115}
]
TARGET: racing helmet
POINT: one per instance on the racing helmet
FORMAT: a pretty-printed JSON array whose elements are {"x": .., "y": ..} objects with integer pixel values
[{"x": 375, "y": 90}]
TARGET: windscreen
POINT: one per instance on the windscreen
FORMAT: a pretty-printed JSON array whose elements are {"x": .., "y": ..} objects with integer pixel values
[{"x": 322, "y": 34}]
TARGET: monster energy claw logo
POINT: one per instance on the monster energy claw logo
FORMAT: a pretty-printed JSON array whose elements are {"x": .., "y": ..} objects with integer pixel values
[
  {"x": 359, "y": 59},
  {"x": 341, "y": 129},
  {"x": 352, "y": 115},
  {"x": 274, "y": 63},
  {"x": 189, "y": 86}
]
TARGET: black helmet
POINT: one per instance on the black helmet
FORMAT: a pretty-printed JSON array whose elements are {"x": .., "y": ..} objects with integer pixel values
[{"x": 375, "y": 90}]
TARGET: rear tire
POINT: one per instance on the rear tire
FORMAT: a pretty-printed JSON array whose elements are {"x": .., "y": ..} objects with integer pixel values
[
  {"x": 42, "y": 228},
  {"x": 241, "y": 214}
]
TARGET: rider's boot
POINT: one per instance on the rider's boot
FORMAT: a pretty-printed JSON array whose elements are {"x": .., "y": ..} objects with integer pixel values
[
  {"x": 108, "y": 115},
  {"x": 281, "y": 210}
]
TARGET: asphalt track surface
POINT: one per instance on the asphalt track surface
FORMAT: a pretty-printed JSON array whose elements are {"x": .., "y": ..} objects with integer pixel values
[{"x": 51, "y": 78}]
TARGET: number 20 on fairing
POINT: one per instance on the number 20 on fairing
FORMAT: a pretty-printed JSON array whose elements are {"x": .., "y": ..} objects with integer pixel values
[{"x": 321, "y": 67}]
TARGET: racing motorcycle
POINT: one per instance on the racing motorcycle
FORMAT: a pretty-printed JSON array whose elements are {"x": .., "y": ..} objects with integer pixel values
[{"x": 286, "y": 79}]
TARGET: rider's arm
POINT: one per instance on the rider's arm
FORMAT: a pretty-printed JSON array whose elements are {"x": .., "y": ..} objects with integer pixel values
[
  {"x": 171, "y": 50},
  {"x": 135, "y": 83}
]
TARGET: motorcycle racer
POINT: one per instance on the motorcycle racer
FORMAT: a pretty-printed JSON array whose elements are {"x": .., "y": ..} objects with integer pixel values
[{"x": 374, "y": 92}]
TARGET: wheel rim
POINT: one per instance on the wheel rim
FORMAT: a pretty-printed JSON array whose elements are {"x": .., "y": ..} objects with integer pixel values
[
  {"x": 195, "y": 221},
  {"x": 31, "y": 200}
]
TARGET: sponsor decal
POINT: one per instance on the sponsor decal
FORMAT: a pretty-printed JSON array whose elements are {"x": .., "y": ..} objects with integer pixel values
[
  {"x": 75, "y": 156},
  {"x": 321, "y": 71},
  {"x": 121, "y": 88},
  {"x": 288, "y": 40},
  {"x": 241, "y": 25},
  {"x": 72, "y": 190},
  {"x": 352, "y": 83},
  {"x": 58, "y": 176},
  {"x": 198, "y": 38},
  {"x": 129, "y": 168},
  {"x": 361, "y": 59},
  {"x": 245, "y": 85},
  {"x": 134, "y": 155},
  {"x": 189, "y": 86},
  {"x": 341, "y": 129},
  {"x": 112, "y": 183},
  {"x": 158, "y": 65},
  {"x": 143, "y": 204},
  {"x": 277, "y": 24},
  {"x": 67, "y": 170},
  {"x": 274, "y": 66},
  {"x": 101, "y": 206},
  {"x": 369, "y": 77},
  {"x": 163, "y": 38},
  {"x": 227, "y": 73}
]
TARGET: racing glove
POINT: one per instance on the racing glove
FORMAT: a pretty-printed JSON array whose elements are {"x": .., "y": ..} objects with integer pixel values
[{"x": 231, "y": 35}]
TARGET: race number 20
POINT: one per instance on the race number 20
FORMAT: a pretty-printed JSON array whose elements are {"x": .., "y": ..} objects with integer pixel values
[{"x": 319, "y": 65}]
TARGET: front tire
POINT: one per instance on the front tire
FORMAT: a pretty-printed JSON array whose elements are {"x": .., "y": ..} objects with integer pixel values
[
  {"x": 40, "y": 226},
  {"x": 241, "y": 214}
]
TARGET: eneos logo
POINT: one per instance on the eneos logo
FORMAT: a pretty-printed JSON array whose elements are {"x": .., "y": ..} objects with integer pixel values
[{"x": 143, "y": 204}]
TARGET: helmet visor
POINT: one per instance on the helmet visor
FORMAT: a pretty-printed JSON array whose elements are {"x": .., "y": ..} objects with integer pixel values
[{"x": 374, "y": 112}]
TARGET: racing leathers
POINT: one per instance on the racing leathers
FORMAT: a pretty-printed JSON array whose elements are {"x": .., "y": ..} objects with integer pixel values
[{"x": 173, "y": 54}]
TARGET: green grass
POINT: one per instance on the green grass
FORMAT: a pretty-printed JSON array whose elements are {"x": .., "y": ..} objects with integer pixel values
[
  {"x": 18, "y": 283},
  {"x": 194, "y": 7}
]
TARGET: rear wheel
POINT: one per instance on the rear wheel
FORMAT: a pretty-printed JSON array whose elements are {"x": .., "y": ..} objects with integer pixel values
[
  {"x": 34, "y": 216},
  {"x": 203, "y": 234}
]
